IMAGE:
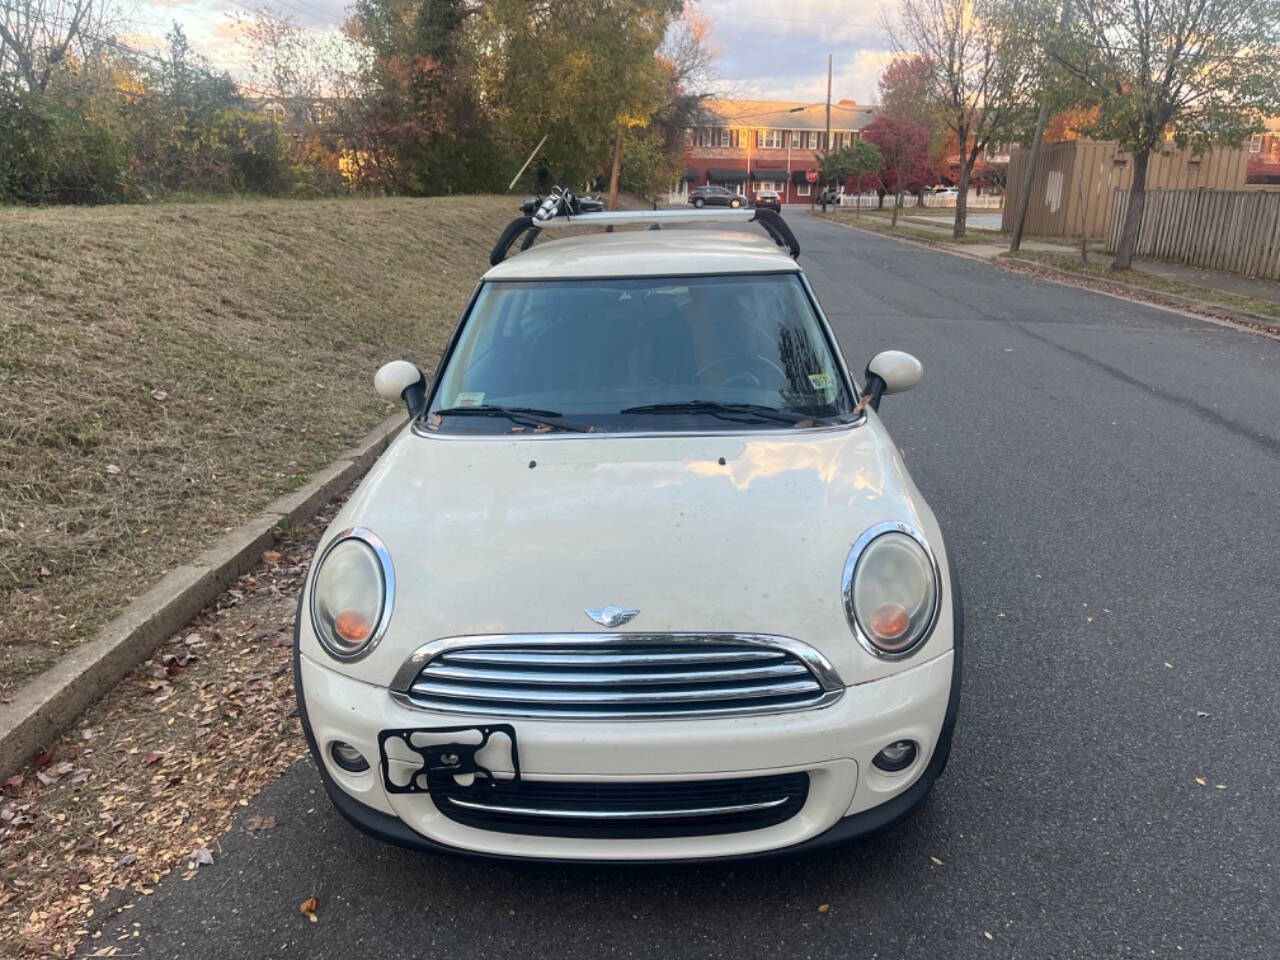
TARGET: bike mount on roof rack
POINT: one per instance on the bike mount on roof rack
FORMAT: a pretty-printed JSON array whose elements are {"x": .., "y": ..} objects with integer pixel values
[{"x": 563, "y": 209}]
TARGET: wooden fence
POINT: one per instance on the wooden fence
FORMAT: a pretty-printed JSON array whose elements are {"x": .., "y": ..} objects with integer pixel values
[{"x": 1233, "y": 230}]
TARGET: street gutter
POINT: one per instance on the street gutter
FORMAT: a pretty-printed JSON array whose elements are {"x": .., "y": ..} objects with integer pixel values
[{"x": 46, "y": 704}]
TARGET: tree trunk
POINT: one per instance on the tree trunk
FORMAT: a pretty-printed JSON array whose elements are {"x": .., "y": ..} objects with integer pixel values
[
  {"x": 617, "y": 166},
  {"x": 962, "y": 195},
  {"x": 897, "y": 204},
  {"x": 1133, "y": 216},
  {"x": 1084, "y": 221},
  {"x": 1024, "y": 188},
  {"x": 880, "y": 205}
]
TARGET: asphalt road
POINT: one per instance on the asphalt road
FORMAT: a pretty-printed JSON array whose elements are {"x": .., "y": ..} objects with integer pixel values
[{"x": 1108, "y": 475}]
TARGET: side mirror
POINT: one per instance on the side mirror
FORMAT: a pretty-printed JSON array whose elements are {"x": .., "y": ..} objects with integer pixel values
[
  {"x": 402, "y": 380},
  {"x": 891, "y": 371}
]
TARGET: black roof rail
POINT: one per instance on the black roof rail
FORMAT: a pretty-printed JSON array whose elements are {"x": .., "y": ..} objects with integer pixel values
[{"x": 531, "y": 226}]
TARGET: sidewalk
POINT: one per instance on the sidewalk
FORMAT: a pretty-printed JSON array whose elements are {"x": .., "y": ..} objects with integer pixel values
[{"x": 1229, "y": 283}]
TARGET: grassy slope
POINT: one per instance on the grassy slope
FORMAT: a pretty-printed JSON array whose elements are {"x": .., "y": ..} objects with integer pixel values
[{"x": 261, "y": 322}]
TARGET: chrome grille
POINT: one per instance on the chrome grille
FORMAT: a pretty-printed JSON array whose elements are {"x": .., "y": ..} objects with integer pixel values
[{"x": 617, "y": 675}]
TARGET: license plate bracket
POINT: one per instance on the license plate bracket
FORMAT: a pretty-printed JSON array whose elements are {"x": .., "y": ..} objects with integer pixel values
[{"x": 442, "y": 761}]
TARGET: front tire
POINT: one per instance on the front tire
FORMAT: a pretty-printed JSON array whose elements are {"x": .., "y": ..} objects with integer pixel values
[
  {"x": 699, "y": 202},
  {"x": 735, "y": 203}
]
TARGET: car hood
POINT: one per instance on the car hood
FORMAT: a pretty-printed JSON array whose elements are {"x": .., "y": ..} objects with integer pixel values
[{"x": 743, "y": 533}]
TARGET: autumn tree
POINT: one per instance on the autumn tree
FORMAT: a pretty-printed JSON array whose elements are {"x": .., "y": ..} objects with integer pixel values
[
  {"x": 1202, "y": 72},
  {"x": 425, "y": 127},
  {"x": 984, "y": 67},
  {"x": 905, "y": 148},
  {"x": 905, "y": 93}
]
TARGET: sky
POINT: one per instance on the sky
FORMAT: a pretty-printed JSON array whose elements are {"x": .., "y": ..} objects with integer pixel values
[{"x": 768, "y": 49}]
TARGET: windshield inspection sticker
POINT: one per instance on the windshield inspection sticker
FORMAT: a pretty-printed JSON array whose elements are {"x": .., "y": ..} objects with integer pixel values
[
  {"x": 470, "y": 400},
  {"x": 820, "y": 381}
]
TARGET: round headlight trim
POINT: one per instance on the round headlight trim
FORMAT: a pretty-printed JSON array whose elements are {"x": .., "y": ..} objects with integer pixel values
[
  {"x": 847, "y": 588},
  {"x": 367, "y": 538}
]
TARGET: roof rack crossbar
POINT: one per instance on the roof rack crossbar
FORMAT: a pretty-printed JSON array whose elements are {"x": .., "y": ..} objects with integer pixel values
[{"x": 770, "y": 220}]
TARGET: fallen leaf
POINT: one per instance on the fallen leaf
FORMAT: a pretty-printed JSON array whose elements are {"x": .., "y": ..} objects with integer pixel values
[
  {"x": 271, "y": 556},
  {"x": 13, "y": 784},
  {"x": 824, "y": 907},
  {"x": 202, "y": 856},
  {"x": 43, "y": 758},
  {"x": 987, "y": 934},
  {"x": 45, "y": 572},
  {"x": 936, "y": 861},
  {"x": 1201, "y": 781},
  {"x": 1220, "y": 786},
  {"x": 256, "y": 822},
  {"x": 154, "y": 758},
  {"x": 1201, "y": 714},
  {"x": 127, "y": 860},
  {"x": 112, "y": 469},
  {"x": 159, "y": 395},
  {"x": 308, "y": 907},
  {"x": 1168, "y": 664}
]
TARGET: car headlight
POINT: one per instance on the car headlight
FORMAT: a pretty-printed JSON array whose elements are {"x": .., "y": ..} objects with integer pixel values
[
  {"x": 352, "y": 594},
  {"x": 891, "y": 591}
]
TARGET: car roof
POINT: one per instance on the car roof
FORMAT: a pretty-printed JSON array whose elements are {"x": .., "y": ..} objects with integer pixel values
[{"x": 646, "y": 253}]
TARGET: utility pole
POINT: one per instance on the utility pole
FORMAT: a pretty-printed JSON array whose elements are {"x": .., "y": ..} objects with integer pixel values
[
  {"x": 826, "y": 144},
  {"x": 617, "y": 166},
  {"x": 1024, "y": 194}
]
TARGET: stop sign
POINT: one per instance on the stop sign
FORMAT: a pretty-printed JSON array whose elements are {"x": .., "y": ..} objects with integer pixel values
[{"x": 811, "y": 176}]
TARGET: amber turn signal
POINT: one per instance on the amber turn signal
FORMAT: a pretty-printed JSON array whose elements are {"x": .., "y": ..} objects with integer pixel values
[
  {"x": 352, "y": 626},
  {"x": 890, "y": 621}
]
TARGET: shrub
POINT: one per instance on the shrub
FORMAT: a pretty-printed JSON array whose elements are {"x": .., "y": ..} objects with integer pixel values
[{"x": 50, "y": 153}]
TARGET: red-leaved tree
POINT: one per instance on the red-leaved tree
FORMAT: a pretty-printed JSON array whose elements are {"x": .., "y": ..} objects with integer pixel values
[{"x": 905, "y": 148}]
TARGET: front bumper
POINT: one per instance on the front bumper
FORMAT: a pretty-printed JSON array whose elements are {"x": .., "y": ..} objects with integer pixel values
[{"x": 848, "y": 796}]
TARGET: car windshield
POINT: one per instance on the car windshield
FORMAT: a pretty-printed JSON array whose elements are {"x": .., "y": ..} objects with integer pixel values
[{"x": 640, "y": 354}]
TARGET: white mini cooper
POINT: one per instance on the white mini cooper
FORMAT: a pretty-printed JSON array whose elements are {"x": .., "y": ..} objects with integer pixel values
[{"x": 644, "y": 578}]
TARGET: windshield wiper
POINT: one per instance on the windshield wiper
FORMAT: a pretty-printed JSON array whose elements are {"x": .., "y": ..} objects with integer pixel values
[
  {"x": 528, "y": 416},
  {"x": 727, "y": 411}
]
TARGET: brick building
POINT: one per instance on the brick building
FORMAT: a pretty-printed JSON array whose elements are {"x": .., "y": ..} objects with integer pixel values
[
  {"x": 1263, "y": 155},
  {"x": 750, "y": 145}
]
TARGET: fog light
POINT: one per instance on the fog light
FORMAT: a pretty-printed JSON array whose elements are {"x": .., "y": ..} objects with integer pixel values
[
  {"x": 896, "y": 756},
  {"x": 348, "y": 757}
]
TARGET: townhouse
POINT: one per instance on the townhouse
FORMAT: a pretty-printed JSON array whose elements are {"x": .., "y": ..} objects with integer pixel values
[{"x": 752, "y": 145}]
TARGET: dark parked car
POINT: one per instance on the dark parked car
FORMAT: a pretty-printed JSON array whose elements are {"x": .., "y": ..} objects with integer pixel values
[
  {"x": 770, "y": 199},
  {"x": 709, "y": 196}
]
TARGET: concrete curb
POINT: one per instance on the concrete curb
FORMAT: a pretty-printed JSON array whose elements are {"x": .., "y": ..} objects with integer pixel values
[
  {"x": 46, "y": 704},
  {"x": 1201, "y": 309}
]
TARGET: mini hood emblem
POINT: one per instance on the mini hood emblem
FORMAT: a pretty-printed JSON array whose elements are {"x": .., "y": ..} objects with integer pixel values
[{"x": 612, "y": 615}]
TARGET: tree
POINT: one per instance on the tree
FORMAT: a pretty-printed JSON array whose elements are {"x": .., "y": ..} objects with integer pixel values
[
  {"x": 39, "y": 37},
  {"x": 855, "y": 161},
  {"x": 580, "y": 72},
  {"x": 905, "y": 148},
  {"x": 1202, "y": 72},
  {"x": 984, "y": 68},
  {"x": 424, "y": 126}
]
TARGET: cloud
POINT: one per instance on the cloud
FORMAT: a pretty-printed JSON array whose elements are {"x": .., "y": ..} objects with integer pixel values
[{"x": 783, "y": 56}]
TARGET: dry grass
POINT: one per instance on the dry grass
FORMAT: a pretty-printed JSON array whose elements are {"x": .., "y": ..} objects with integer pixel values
[
  {"x": 165, "y": 371},
  {"x": 149, "y": 778}
]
